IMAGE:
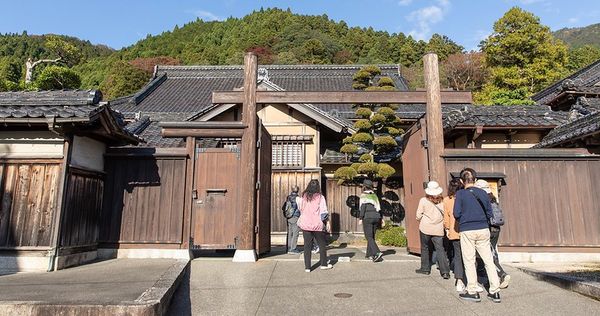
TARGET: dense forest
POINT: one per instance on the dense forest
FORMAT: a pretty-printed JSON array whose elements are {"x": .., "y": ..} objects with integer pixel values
[{"x": 498, "y": 74}]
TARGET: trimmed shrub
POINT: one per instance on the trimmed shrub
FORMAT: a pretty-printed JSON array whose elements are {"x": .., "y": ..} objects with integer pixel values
[
  {"x": 365, "y": 158},
  {"x": 349, "y": 149},
  {"x": 385, "y": 170},
  {"x": 362, "y": 138},
  {"x": 385, "y": 141},
  {"x": 391, "y": 235},
  {"x": 347, "y": 140},
  {"x": 345, "y": 173},
  {"x": 377, "y": 119},
  {"x": 355, "y": 165},
  {"x": 368, "y": 168},
  {"x": 363, "y": 112},
  {"x": 385, "y": 81},
  {"x": 362, "y": 125},
  {"x": 386, "y": 111}
]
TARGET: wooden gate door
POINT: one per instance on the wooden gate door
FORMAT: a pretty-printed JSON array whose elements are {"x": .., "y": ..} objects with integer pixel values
[
  {"x": 216, "y": 198},
  {"x": 263, "y": 197},
  {"x": 415, "y": 170}
]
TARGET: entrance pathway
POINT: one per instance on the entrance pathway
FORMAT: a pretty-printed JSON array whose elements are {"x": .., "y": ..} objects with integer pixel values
[{"x": 279, "y": 286}]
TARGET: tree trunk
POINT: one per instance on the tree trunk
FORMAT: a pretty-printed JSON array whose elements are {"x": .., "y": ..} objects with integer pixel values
[{"x": 30, "y": 65}]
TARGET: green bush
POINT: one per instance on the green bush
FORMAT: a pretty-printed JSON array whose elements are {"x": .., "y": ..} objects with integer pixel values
[
  {"x": 385, "y": 142},
  {"x": 365, "y": 158},
  {"x": 386, "y": 111},
  {"x": 363, "y": 112},
  {"x": 368, "y": 168},
  {"x": 349, "y": 149},
  {"x": 377, "y": 119},
  {"x": 385, "y": 81},
  {"x": 345, "y": 173},
  {"x": 362, "y": 138},
  {"x": 391, "y": 235},
  {"x": 385, "y": 170},
  {"x": 362, "y": 125},
  {"x": 347, "y": 140}
]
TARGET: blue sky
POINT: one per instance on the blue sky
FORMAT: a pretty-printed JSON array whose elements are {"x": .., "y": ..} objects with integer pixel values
[{"x": 120, "y": 23}]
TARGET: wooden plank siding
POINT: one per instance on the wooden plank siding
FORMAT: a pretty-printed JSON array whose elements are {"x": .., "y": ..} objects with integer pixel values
[
  {"x": 83, "y": 207},
  {"x": 415, "y": 173},
  {"x": 29, "y": 200},
  {"x": 547, "y": 202},
  {"x": 281, "y": 185},
  {"x": 144, "y": 200}
]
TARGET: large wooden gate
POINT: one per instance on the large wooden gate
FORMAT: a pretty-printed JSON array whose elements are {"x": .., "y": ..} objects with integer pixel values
[
  {"x": 415, "y": 172},
  {"x": 215, "y": 194},
  {"x": 263, "y": 195}
]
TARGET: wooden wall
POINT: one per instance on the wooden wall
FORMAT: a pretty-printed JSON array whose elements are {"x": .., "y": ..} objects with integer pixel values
[
  {"x": 547, "y": 202},
  {"x": 343, "y": 203},
  {"x": 83, "y": 207},
  {"x": 144, "y": 200},
  {"x": 281, "y": 185},
  {"x": 415, "y": 173},
  {"x": 28, "y": 201}
]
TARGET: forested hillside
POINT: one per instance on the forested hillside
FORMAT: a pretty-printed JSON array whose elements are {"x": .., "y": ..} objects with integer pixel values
[
  {"x": 580, "y": 36},
  {"x": 281, "y": 37}
]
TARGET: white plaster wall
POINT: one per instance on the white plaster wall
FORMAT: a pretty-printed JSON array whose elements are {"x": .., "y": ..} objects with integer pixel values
[
  {"x": 88, "y": 153},
  {"x": 34, "y": 144}
]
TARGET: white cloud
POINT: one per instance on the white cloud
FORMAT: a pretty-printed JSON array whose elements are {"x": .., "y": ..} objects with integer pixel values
[
  {"x": 425, "y": 17},
  {"x": 206, "y": 15},
  {"x": 405, "y": 2},
  {"x": 573, "y": 20}
]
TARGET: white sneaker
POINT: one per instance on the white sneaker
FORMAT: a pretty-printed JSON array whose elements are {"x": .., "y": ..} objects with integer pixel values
[
  {"x": 306, "y": 270},
  {"x": 504, "y": 281},
  {"x": 479, "y": 288},
  {"x": 460, "y": 286},
  {"x": 327, "y": 267}
]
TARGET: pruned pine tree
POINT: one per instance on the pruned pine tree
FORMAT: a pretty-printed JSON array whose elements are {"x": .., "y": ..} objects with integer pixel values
[{"x": 378, "y": 132}]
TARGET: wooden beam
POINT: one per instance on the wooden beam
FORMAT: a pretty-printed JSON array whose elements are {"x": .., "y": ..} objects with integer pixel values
[
  {"x": 435, "y": 130},
  {"x": 201, "y": 132},
  {"x": 248, "y": 153},
  {"x": 343, "y": 97}
]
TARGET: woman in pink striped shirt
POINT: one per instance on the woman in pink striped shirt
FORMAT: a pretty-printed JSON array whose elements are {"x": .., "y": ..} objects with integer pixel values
[{"x": 313, "y": 212}]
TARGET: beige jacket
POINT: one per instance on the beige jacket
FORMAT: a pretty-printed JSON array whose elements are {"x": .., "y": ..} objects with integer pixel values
[
  {"x": 430, "y": 217},
  {"x": 450, "y": 222}
]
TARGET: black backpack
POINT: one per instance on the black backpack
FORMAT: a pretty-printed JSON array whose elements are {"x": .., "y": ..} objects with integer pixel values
[{"x": 288, "y": 208}]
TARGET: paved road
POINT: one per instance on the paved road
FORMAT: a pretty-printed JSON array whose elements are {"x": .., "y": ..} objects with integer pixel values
[{"x": 281, "y": 287}]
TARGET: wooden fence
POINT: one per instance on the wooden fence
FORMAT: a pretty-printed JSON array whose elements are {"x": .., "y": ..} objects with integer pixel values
[
  {"x": 83, "y": 207},
  {"x": 281, "y": 185},
  {"x": 144, "y": 199},
  {"x": 29, "y": 200},
  {"x": 549, "y": 201}
]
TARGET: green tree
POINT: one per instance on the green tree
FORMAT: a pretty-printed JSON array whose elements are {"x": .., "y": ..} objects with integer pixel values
[
  {"x": 56, "y": 78},
  {"x": 123, "y": 79},
  {"x": 521, "y": 53},
  {"x": 582, "y": 56},
  {"x": 64, "y": 52},
  {"x": 443, "y": 46},
  {"x": 376, "y": 131}
]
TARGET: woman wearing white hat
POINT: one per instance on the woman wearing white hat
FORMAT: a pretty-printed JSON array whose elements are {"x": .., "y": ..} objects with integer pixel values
[{"x": 430, "y": 214}]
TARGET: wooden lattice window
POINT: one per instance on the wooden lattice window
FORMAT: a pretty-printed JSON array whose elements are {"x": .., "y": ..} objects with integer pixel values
[{"x": 288, "y": 154}]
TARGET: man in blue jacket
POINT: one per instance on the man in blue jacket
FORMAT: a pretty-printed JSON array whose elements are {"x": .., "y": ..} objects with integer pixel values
[{"x": 472, "y": 209}]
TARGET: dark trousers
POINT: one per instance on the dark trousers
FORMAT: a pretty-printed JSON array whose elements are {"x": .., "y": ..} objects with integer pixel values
[
  {"x": 427, "y": 251},
  {"x": 457, "y": 263},
  {"x": 370, "y": 226},
  {"x": 494, "y": 235},
  {"x": 308, "y": 244}
]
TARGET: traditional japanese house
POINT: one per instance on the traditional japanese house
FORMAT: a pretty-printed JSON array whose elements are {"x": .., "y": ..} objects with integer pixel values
[{"x": 52, "y": 146}]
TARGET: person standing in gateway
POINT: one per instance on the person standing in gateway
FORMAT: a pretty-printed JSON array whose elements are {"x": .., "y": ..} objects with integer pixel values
[
  {"x": 370, "y": 218},
  {"x": 472, "y": 210},
  {"x": 292, "y": 213}
]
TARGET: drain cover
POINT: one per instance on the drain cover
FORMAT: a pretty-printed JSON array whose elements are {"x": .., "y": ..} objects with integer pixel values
[{"x": 342, "y": 295}]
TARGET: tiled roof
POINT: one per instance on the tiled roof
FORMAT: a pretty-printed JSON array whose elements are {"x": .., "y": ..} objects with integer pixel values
[
  {"x": 51, "y": 98},
  {"x": 579, "y": 128},
  {"x": 586, "y": 77},
  {"x": 66, "y": 112},
  {"x": 514, "y": 116},
  {"x": 470, "y": 115},
  {"x": 148, "y": 129}
]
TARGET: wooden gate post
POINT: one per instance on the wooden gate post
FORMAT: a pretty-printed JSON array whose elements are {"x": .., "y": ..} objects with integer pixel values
[
  {"x": 435, "y": 131},
  {"x": 245, "y": 249}
]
